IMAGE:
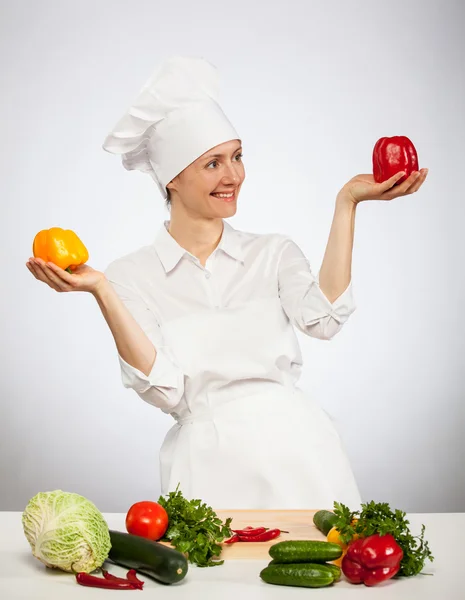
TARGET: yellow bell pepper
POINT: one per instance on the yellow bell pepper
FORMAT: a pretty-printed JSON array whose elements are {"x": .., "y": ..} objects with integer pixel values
[
  {"x": 61, "y": 247},
  {"x": 334, "y": 537}
]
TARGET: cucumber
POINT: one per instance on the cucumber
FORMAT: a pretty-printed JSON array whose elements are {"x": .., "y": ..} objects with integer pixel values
[
  {"x": 155, "y": 560},
  {"x": 336, "y": 571},
  {"x": 324, "y": 520},
  {"x": 298, "y": 574},
  {"x": 298, "y": 551}
]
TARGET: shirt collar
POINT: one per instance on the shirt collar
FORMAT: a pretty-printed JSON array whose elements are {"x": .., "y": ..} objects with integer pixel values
[{"x": 170, "y": 252}]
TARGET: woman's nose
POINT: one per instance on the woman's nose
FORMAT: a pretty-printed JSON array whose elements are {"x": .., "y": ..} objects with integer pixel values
[{"x": 232, "y": 174}]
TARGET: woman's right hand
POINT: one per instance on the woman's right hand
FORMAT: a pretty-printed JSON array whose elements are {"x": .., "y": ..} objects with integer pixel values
[{"x": 83, "y": 278}]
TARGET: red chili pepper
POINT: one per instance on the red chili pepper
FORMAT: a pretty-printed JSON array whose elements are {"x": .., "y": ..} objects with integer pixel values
[
  {"x": 250, "y": 531},
  {"x": 132, "y": 577},
  {"x": 262, "y": 537},
  {"x": 232, "y": 540},
  {"x": 110, "y": 584},
  {"x": 392, "y": 155},
  {"x": 111, "y": 577}
]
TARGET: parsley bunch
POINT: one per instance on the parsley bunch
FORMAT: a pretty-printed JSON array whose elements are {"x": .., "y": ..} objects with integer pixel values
[
  {"x": 378, "y": 518},
  {"x": 194, "y": 529}
]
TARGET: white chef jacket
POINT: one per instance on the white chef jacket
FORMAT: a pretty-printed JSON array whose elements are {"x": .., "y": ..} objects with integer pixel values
[{"x": 227, "y": 366}]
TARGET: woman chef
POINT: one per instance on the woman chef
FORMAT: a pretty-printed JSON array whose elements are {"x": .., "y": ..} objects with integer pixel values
[{"x": 204, "y": 318}]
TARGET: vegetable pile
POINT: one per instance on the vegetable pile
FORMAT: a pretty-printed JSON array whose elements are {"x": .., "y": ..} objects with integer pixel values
[
  {"x": 67, "y": 531},
  {"x": 371, "y": 546},
  {"x": 379, "y": 518}
]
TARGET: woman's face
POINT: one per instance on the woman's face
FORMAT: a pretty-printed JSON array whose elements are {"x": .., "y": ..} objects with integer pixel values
[{"x": 220, "y": 170}]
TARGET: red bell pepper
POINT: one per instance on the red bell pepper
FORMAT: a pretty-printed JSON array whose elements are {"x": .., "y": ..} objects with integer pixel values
[
  {"x": 372, "y": 560},
  {"x": 392, "y": 155}
]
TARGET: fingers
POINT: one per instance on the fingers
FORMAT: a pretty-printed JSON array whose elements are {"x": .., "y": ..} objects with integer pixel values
[
  {"x": 399, "y": 190},
  {"x": 42, "y": 272},
  {"x": 389, "y": 183},
  {"x": 405, "y": 187},
  {"x": 38, "y": 273},
  {"x": 409, "y": 186},
  {"x": 63, "y": 275},
  {"x": 54, "y": 278},
  {"x": 419, "y": 182}
]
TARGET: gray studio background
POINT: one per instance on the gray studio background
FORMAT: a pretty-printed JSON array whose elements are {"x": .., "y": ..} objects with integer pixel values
[{"x": 310, "y": 86}]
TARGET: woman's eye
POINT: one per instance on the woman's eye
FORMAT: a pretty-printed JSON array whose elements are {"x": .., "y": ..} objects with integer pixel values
[{"x": 215, "y": 161}]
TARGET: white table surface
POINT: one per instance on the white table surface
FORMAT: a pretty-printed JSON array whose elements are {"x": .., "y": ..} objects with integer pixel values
[{"x": 23, "y": 577}]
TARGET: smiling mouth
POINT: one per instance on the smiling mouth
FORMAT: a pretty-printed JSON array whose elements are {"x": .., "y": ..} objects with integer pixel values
[{"x": 225, "y": 197}]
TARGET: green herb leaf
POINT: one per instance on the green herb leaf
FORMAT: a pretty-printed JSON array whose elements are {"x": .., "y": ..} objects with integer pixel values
[
  {"x": 194, "y": 529},
  {"x": 378, "y": 518}
]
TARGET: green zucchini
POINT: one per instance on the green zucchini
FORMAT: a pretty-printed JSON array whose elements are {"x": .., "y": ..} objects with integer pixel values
[
  {"x": 298, "y": 574},
  {"x": 155, "y": 560},
  {"x": 324, "y": 520},
  {"x": 298, "y": 551}
]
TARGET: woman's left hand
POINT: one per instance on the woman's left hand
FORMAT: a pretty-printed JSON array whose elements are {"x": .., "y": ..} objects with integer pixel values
[{"x": 364, "y": 187}]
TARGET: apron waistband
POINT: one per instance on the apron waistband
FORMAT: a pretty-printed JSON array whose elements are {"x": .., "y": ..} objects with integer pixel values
[
  {"x": 208, "y": 413},
  {"x": 197, "y": 416}
]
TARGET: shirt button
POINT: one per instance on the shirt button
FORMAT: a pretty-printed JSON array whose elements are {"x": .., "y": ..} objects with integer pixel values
[{"x": 207, "y": 275}]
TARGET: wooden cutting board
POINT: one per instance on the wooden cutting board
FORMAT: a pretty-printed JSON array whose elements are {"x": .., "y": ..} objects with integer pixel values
[{"x": 299, "y": 524}]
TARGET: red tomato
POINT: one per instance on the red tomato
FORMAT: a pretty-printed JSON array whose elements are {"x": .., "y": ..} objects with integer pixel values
[{"x": 147, "y": 519}]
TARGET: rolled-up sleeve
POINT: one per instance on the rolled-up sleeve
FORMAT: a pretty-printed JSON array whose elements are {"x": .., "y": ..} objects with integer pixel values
[
  {"x": 308, "y": 309},
  {"x": 164, "y": 385}
]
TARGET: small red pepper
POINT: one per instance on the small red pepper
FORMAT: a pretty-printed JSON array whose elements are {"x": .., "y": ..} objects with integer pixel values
[
  {"x": 372, "y": 560},
  {"x": 113, "y": 583},
  {"x": 250, "y": 530},
  {"x": 111, "y": 577},
  {"x": 262, "y": 537},
  {"x": 132, "y": 577},
  {"x": 251, "y": 534},
  {"x": 392, "y": 155},
  {"x": 232, "y": 540}
]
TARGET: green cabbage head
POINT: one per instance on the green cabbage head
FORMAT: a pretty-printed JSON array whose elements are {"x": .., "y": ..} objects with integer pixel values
[{"x": 66, "y": 531}]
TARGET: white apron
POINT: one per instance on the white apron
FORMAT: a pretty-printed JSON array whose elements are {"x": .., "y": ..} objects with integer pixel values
[
  {"x": 228, "y": 362},
  {"x": 273, "y": 450}
]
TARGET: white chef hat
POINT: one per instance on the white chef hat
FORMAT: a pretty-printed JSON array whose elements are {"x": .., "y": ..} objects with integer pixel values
[{"x": 175, "y": 119}]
